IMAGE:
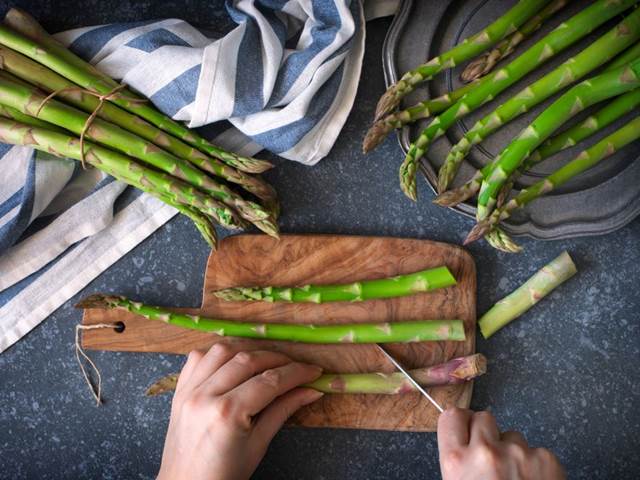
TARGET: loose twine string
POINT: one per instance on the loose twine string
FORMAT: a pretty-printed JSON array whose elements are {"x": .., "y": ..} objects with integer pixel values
[
  {"x": 102, "y": 99},
  {"x": 95, "y": 389}
]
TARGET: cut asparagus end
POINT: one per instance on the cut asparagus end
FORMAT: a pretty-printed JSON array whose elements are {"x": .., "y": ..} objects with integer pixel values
[{"x": 99, "y": 300}]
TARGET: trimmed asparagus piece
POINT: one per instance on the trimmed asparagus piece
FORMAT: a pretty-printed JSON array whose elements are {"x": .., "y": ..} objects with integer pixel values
[
  {"x": 416, "y": 331},
  {"x": 581, "y": 96},
  {"x": 562, "y": 37},
  {"x": 585, "y": 160},
  {"x": 595, "y": 55},
  {"x": 531, "y": 292},
  {"x": 485, "y": 62},
  {"x": 455, "y": 371},
  {"x": 614, "y": 110},
  {"x": 381, "y": 128},
  {"x": 29, "y": 101},
  {"x": 23, "y": 33},
  {"x": 49, "y": 81},
  {"x": 466, "y": 50},
  {"x": 399, "y": 286},
  {"x": 119, "y": 166}
]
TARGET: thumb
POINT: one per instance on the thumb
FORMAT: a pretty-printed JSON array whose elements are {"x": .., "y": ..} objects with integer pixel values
[{"x": 272, "y": 418}]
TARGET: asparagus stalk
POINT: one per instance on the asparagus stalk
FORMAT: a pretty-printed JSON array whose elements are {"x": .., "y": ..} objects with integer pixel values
[
  {"x": 30, "y": 101},
  {"x": 485, "y": 62},
  {"x": 453, "y": 372},
  {"x": 381, "y": 128},
  {"x": 49, "y": 81},
  {"x": 200, "y": 221},
  {"x": 399, "y": 286},
  {"x": 23, "y": 33},
  {"x": 562, "y": 37},
  {"x": 614, "y": 110},
  {"x": 468, "y": 49},
  {"x": 585, "y": 160},
  {"x": 581, "y": 96},
  {"x": 120, "y": 167},
  {"x": 531, "y": 292},
  {"x": 416, "y": 331},
  {"x": 595, "y": 55}
]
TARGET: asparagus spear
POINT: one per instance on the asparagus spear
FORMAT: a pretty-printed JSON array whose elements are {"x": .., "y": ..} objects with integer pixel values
[
  {"x": 428, "y": 330},
  {"x": 485, "y": 62},
  {"x": 585, "y": 160},
  {"x": 614, "y": 110},
  {"x": 120, "y": 167},
  {"x": 581, "y": 96},
  {"x": 595, "y": 55},
  {"x": 399, "y": 286},
  {"x": 49, "y": 81},
  {"x": 562, "y": 37},
  {"x": 453, "y": 372},
  {"x": 531, "y": 292},
  {"x": 23, "y": 33},
  {"x": 469, "y": 48},
  {"x": 30, "y": 101},
  {"x": 381, "y": 128}
]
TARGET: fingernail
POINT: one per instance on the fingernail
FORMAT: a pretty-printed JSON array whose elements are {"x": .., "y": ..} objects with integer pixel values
[
  {"x": 312, "y": 396},
  {"x": 318, "y": 370}
]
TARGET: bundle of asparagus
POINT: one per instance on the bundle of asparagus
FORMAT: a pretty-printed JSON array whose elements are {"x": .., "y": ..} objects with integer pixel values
[
  {"x": 54, "y": 101},
  {"x": 619, "y": 47},
  {"x": 453, "y": 372}
]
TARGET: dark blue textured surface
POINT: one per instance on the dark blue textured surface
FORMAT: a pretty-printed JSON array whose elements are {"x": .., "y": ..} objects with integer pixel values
[{"x": 565, "y": 374}]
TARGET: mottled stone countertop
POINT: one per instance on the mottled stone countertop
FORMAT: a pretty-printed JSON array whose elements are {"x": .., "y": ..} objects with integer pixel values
[{"x": 566, "y": 373}]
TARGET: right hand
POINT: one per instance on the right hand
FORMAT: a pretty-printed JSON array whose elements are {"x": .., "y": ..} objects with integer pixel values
[{"x": 472, "y": 447}]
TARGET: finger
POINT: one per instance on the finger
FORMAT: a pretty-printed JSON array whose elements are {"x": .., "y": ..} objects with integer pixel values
[
  {"x": 453, "y": 429},
  {"x": 257, "y": 393},
  {"x": 514, "y": 437},
  {"x": 484, "y": 427},
  {"x": 241, "y": 368},
  {"x": 193, "y": 359},
  {"x": 270, "y": 421},
  {"x": 218, "y": 355}
]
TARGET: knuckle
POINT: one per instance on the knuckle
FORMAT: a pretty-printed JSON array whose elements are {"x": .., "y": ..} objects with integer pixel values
[
  {"x": 223, "y": 409},
  {"x": 244, "y": 358},
  {"x": 192, "y": 404},
  {"x": 220, "y": 349},
  {"x": 271, "y": 378},
  {"x": 488, "y": 454},
  {"x": 544, "y": 455},
  {"x": 452, "y": 460}
]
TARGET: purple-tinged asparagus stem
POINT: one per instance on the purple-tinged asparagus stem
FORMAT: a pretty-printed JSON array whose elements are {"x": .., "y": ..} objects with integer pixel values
[{"x": 455, "y": 371}]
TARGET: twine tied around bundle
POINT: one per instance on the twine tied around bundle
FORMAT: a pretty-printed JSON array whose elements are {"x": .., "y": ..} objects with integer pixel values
[
  {"x": 97, "y": 389},
  {"x": 102, "y": 99}
]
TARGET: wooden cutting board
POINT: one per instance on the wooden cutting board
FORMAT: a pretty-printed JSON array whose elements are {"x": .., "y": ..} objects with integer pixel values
[{"x": 302, "y": 259}]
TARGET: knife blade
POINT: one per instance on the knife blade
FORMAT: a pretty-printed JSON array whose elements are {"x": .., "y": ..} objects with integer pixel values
[{"x": 410, "y": 378}]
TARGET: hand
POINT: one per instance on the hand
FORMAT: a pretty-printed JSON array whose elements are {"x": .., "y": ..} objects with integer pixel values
[
  {"x": 471, "y": 446},
  {"x": 227, "y": 407}
]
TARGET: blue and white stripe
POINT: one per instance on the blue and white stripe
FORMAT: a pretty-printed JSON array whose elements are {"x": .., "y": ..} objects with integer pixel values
[{"x": 284, "y": 79}]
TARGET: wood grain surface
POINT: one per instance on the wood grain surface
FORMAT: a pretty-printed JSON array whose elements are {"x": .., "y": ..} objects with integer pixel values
[{"x": 302, "y": 259}]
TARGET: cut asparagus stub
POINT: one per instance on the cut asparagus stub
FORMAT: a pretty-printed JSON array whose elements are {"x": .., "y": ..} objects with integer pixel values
[
  {"x": 469, "y": 48},
  {"x": 455, "y": 371},
  {"x": 414, "y": 331},
  {"x": 399, "y": 286},
  {"x": 531, "y": 292},
  {"x": 23, "y": 33}
]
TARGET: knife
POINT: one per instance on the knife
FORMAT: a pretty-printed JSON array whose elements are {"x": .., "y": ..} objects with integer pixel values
[{"x": 410, "y": 378}]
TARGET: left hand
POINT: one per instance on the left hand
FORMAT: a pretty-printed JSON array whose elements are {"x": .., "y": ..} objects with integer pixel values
[{"x": 227, "y": 407}]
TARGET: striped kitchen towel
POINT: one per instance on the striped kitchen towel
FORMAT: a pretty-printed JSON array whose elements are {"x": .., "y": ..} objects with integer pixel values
[{"x": 284, "y": 79}]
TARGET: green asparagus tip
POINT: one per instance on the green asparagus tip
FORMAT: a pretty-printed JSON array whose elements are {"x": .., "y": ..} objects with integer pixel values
[{"x": 477, "y": 232}]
